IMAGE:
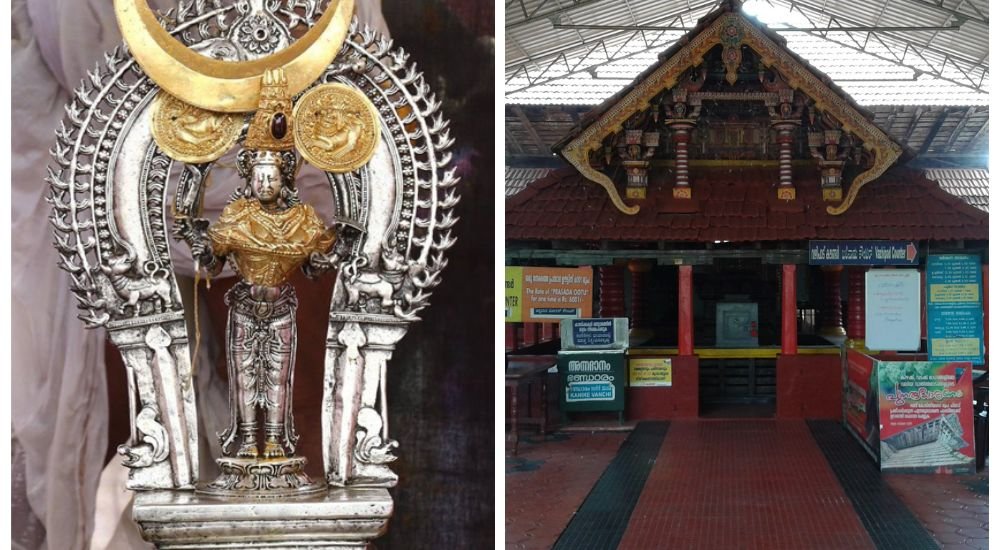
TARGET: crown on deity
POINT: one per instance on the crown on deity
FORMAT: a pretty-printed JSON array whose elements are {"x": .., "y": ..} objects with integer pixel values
[{"x": 271, "y": 127}]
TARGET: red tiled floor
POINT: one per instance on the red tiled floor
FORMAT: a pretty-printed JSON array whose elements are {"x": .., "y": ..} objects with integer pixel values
[
  {"x": 954, "y": 514},
  {"x": 745, "y": 484},
  {"x": 561, "y": 472}
]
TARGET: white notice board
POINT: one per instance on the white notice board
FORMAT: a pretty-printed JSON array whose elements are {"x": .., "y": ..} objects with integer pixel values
[{"x": 892, "y": 310}]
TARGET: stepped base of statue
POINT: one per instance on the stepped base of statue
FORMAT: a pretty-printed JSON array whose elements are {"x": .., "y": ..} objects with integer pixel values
[
  {"x": 332, "y": 518},
  {"x": 267, "y": 477}
]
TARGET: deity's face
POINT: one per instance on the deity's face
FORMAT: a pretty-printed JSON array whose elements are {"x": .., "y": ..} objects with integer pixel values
[{"x": 265, "y": 181}]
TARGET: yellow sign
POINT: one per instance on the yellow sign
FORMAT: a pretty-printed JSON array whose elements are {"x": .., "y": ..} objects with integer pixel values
[
  {"x": 649, "y": 372},
  {"x": 512, "y": 294},
  {"x": 955, "y": 346},
  {"x": 953, "y": 292}
]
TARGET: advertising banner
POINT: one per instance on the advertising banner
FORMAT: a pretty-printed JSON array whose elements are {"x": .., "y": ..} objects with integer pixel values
[
  {"x": 548, "y": 294},
  {"x": 862, "y": 253},
  {"x": 954, "y": 308},
  {"x": 892, "y": 309},
  {"x": 860, "y": 401},
  {"x": 512, "y": 294},
  {"x": 926, "y": 416},
  {"x": 592, "y": 380},
  {"x": 649, "y": 372}
]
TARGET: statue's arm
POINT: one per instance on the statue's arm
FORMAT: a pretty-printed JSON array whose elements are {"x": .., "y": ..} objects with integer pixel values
[
  {"x": 194, "y": 232},
  {"x": 326, "y": 257}
]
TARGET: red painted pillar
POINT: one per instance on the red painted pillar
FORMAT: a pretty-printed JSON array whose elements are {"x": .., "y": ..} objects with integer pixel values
[
  {"x": 789, "y": 312},
  {"x": 856, "y": 306},
  {"x": 832, "y": 323},
  {"x": 510, "y": 336},
  {"x": 530, "y": 335},
  {"x": 685, "y": 314},
  {"x": 640, "y": 270},
  {"x": 611, "y": 289},
  {"x": 549, "y": 331}
]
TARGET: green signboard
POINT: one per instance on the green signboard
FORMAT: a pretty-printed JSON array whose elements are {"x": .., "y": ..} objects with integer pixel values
[{"x": 592, "y": 380}]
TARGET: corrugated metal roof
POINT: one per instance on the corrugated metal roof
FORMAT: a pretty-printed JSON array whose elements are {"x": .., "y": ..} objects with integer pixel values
[
  {"x": 972, "y": 186},
  {"x": 516, "y": 179},
  {"x": 546, "y": 65}
]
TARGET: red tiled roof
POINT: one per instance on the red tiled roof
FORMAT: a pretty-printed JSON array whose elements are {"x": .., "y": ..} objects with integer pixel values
[{"x": 741, "y": 204}]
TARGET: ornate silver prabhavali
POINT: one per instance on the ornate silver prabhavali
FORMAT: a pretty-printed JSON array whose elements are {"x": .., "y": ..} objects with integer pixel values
[{"x": 109, "y": 185}]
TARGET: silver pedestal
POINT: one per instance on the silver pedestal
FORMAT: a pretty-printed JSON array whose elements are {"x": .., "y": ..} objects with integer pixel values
[{"x": 336, "y": 518}]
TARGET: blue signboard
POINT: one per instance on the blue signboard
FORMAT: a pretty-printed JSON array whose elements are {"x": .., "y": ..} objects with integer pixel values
[
  {"x": 954, "y": 308},
  {"x": 862, "y": 253},
  {"x": 594, "y": 332}
]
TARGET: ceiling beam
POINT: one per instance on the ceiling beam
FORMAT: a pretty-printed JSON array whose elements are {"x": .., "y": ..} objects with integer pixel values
[
  {"x": 781, "y": 29},
  {"x": 975, "y": 139},
  {"x": 535, "y": 16},
  {"x": 932, "y": 132},
  {"x": 958, "y": 128},
  {"x": 523, "y": 119}
]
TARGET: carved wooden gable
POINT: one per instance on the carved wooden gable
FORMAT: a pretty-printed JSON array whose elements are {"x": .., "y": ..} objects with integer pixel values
[{"x": 730, "y": 92}]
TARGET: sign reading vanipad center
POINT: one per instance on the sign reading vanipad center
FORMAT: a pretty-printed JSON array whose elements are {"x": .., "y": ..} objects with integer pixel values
[
  {"x": 892, "y": 309},
  {"x": 592, "y": 381},
  {"x": 548, "y": 294},
  {"x": 954, "y": 308},
  {"x": 650, "y": 372},
  {"x": 862, "y": 253}
]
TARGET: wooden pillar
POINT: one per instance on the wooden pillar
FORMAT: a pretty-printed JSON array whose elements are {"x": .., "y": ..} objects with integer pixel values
[
  {"x": 611, "y": 291},
  {"x": 856, "y": 306},
  {"x": 681, "y": 135},
  {"x": 510, "y": 336},
  {"x": 640, "y": 270},
  {"x": 529, "y": 336},
  {"x": 789, "y": 312},
  {"x": 685, "y": 313},
  {"x": 786, "y": 190},
  {"x": 832, "y": 319},
  {"x": 549, "y": 331}
]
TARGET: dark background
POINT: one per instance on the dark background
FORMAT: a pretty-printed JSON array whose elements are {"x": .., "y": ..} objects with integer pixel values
[{"x": 440, "y": 379}]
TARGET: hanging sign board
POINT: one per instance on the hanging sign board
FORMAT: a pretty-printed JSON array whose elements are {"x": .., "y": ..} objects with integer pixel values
[
  {"x": 548, "y": 294},
  {"x": 954, "y": 308},
  {"x": 892, "y": 309},
  {"x": 599, "y": 333},
  {"x": 592, "y": 380},
  {"x": 648, "y": 372},
  {"x": 862, "y": 253},
  {"x": 925, "y": 412}
]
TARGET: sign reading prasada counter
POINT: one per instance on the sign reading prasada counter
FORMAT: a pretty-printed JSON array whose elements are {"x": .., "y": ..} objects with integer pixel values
[
  {"x": 592, "y": 380},
  {"x": 548, "y": 294}
]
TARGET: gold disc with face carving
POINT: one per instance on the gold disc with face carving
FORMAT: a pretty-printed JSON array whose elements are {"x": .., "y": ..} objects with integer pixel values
[
  {"x": 336, "y": 127},
  {"x": 191, "y": 134}
]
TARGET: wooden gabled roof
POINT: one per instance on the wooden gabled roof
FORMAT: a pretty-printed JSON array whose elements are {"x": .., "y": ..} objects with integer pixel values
[{"x": 688, "y": 52}]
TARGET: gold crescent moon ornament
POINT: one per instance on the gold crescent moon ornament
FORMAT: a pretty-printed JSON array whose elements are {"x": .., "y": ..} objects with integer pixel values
[
  {"x": 336, "y": 127},
  {"x": 227, "y": 86},
  {"x": 191, "y": 134}
]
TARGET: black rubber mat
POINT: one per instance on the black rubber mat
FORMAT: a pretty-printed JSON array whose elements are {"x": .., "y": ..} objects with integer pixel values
[
  {"x": 603, "y": 517},
  {"x": 888, "y": 521}
]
